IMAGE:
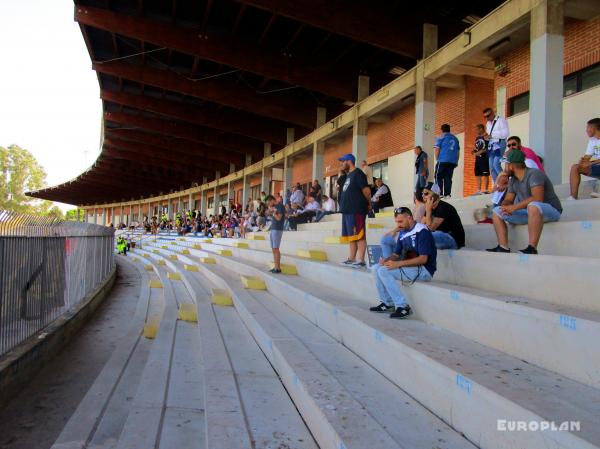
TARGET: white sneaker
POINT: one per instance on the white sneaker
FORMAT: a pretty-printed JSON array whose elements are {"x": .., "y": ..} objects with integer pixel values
[
  {"x": 595, "y": 194},
  {"x": 570, "y": 198}
]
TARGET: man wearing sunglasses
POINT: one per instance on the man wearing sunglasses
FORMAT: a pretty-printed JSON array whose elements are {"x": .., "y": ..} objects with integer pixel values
[
  {"x": 530, "y": 199},
  {"x": 497, "y": 132},
  {"x": 414, "y": 259}
]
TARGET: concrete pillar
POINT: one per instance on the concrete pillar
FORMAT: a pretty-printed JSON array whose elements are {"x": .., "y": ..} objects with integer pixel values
[
  {"x": 546, "y": 84},
  {"x": 360, "y": 126},
  {"x": 425, "y": 100},
  {"x": 190, "y": 202},
  {"x": 229, "y": 193},
  {"x": 267, "y": 148},
  {"x": 290, "y": 136},
  {"x": 140, "y": 212},
  {"x": 265, "y": 180},
  {"x": 169, "y": 209},
  {"x": 288, "y": 168},
  {"x": 246, "y": 190},
  {"x": 95, "y": 216},
  {"x": 231, "y": 167},
  {"x": 203, "y": 203},
  {"x": 216, "y": 194},
  {"x": 319, "y": 148},
  {"x": 248, "y": 160},
  {"x": 104, "y": 216}
]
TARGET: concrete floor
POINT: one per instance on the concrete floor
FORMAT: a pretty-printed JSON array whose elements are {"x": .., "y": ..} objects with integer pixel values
[{"x": 36, "y": 416}]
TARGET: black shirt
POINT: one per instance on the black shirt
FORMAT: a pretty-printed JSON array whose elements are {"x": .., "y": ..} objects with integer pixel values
[
  {"x": 340, "y": 183},
  {"x": 451, "y": 224},
  {"x": 353, "y": 200},
  {"x": 315, "y": 192},
  {"x": 277, "y": 225}
]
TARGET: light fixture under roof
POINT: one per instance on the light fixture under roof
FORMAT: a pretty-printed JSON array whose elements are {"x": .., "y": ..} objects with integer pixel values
[
  {"x": 471, "y": 19},
  {"x": 397, "y": 70}
]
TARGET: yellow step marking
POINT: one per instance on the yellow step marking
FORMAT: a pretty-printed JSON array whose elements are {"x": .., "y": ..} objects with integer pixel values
[
  {"x": 173, "y": 256},
  {"x": 313, "y": 254},
  {"x": 224, "y": 252},
  {"x": 191, "y": 267},
  {"x": 286, "y": 268},
  {"x": 221, "y": 297},
  {"x": 254, "y": 283},
  {"x": 155, "y": 251},
  {"x": 375, "y": 226},
  {"x": 164, "y": 246},
  {"x": 155, "y": 283},
  {"x": 173, "y": 243},
  {"x": 161, "y": 262},
  {"x": 197, "y": 246},
  {"x": 188, "y": 312},
  {"x": 256, "y": 237},
  {"x": 207, "y": 241},
  {"x": 243, "y": 245},
  {"x": 385, "y": 214},
  {"x": 148, "y": 267},
  {"x": 185, "y": 251},
  {"x": 151, "y": 328},
  {"x": 209, "y": 260},
  {"x": 174, "y": 276},
  {"x": 333, "y": 239}
]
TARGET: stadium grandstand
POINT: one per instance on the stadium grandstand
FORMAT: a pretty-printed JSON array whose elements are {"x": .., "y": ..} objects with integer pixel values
[{"x": 328, "y": 251}]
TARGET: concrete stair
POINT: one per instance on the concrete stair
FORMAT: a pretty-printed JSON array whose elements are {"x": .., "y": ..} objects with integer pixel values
[{"x": 466, "y": 383}]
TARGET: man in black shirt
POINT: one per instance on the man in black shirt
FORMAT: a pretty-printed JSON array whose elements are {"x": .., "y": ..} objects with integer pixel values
[
  {"x": 277, "y": 211},
  {"x": 443, "y": 221},
  {"x": 354, "y": 205}
]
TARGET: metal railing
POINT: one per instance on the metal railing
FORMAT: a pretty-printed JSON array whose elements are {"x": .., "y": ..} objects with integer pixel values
[{"x": 47, "y": 266}]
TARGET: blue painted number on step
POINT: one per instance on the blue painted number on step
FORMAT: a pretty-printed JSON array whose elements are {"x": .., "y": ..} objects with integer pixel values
[
  {"x": 454, "y": 295},
  {"x": 568, "y": 322},
  {"x": 586, "y": 225},
  {"x": 523, "y": 258},
  {"x": 378, "y": 336},
  {"x": 335, "y": 311},
  {"x": 295, "y": 380},
  {"x": 463, "y": 383}
]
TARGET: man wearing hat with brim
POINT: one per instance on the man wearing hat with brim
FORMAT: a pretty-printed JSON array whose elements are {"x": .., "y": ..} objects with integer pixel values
[
  {"x": 530, "y": 200},
  {"x": 355, "y": 205}
]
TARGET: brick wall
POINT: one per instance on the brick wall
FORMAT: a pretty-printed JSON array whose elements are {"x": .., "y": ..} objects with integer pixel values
[{"x": 450, "y": 109}]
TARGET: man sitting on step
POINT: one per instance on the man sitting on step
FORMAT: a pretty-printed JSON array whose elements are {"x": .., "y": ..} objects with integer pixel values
[
  {"x": 414, "y": 259},
  {"x": 530, "y": 199},
  {"x": 589, "y": 164},
  {"x": 442, "y": 220}
]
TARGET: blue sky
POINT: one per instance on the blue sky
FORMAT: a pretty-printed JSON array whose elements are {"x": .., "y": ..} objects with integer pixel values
[{"x": 49, "y": 95}]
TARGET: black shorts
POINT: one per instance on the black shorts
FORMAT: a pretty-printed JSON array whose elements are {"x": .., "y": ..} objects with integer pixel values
[{"x": 482, "y": 166}]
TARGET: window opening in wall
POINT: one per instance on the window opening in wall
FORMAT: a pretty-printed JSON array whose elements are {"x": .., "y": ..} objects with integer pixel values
[{"x": 380, "y": 170}]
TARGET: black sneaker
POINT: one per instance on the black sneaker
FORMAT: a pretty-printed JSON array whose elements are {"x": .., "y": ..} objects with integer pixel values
[
  {"x": 382, "y": 308},
  {"x": 498, "y": 249},
  {"x": 359, "y": 265},
  {"x": 529, "y": 250},
  {"x": 401, "y": 312},
  {"x": 275, "y": 270}
]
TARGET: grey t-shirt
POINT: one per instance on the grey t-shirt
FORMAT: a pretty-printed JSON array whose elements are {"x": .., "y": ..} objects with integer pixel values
[
  {"x": 277, "y": 225},
  {"x": 533, "y": 178}
]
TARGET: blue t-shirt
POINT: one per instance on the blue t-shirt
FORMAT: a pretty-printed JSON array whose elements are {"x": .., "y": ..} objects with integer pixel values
[
  {"x": 277, "y": 225},
  {"x": 353, "y": 200},
  {"x": 421, "y": 159},
  {"x": 449, "y": 148},
  {"x": 420, "y": 240}
]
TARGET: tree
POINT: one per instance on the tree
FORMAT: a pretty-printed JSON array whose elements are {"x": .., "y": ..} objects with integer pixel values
[
  {"x": 71, "y": 215},
  {"x": 20, "y": 172}
]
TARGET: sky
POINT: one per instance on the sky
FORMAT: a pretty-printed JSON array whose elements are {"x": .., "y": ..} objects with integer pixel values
[{"x": 49, "y": 94}]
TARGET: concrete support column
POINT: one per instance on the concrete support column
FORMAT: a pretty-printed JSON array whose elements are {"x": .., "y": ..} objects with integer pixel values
[
  {"x": 267, "y": 149},
  {"x": 546, "y": 84},
  {"x": 246, "y": 190},
  {"x": 95, "y": 216},
  {"x": 290, "y": 136},
  {"x": 425, "y": 100},
  {"x": 104, "y": 211},
  {"x": 319, "y": 148},
  {"x": 170, "y": 208},
  {"x": 248, "y": 160},
  {"x": 265, "y": 180},
  {"x": 288, "y": 168},
  {"x": 360, "y": 126},
  {"x": 216, "y": 194},
  {"x": 203, "y": 203},
  {"x": 190, "y": 202},
  {"x": 231, "y": 167}
]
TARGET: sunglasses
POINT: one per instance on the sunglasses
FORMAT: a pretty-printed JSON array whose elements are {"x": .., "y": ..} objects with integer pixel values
[
  {"x": 513, "y": 144},
  {"x": 402, "y": 211}
]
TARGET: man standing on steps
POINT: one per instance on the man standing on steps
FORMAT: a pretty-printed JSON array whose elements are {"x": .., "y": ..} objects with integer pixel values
[
  {"x": 447, "y": 151},
  {"x": 496, "y": 132},
  {"x": 277, "y": 211},
  {"x": 413, "y": 259},
  {"x": 530, "y": 200},
  {"x": 355, "y": 205}
]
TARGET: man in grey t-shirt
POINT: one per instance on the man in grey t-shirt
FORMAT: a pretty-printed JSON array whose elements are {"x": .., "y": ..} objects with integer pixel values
[
  {"x": 277, "y": 211},
  {"x": 530, "y": 200}
]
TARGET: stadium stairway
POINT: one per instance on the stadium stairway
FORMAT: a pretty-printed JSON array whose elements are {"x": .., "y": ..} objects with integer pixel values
[{"x": 468, "y": 356}]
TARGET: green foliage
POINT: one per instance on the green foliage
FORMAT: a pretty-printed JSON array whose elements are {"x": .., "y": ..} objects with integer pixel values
[
  {"x": 71, "y": 215},
  {"x": 20, "y": 172}
]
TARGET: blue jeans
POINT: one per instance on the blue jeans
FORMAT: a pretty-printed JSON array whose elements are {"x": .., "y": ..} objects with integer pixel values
[
  {"x": 321, "y": 214},
  {"x": 495, "y": 152},
  {"x": 388, "y": 244},
  {"x": 521, "y": 216},
  {"x": 388, "y": 288},
  {"x": 443, "y": 240},
  {"x": 421, "y": 181}
]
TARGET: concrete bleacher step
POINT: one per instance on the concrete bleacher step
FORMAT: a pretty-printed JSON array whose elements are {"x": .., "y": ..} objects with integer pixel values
[
  {"x": 336, "y": 416},
  {"x": 465, "y": 383},
  {"x": 99, "y": 418},
  {"x": 510, "y": 324},
  {"x": 244, "y": 404}
]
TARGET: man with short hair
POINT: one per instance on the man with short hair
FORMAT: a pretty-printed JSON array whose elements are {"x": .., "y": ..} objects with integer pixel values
[
  {"x": 532, "y": 160},
  {"x": 589, "y": 164},
  {"x": 447, "y": 151},
  {"x": 482, "y": 166},
  {"x": 496, "y": 129},
  {"x": 421, "y": 167},
  {"x": 297, "y": 196},
  {"x": 316, "y": 191},
  {"x": 530, "y": 199},
  {"x": 382, "y": 197},
  {"x": 327, "y": 208},
  {"x": 414, "y": 259},
  {"x": 277, "y": 211},
  {"x": 355, "y": 205},
  {"x": 442, "y": 220}
]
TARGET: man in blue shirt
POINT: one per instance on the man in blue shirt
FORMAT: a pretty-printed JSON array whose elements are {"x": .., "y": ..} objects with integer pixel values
[
  {"x": 414, "y": 259},
  {"x": 421, "y": 170},
  {"x": 447, "y": 151}
]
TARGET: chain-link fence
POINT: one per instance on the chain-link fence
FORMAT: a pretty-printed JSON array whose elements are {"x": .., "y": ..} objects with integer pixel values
[{"x": 47, "y": 266}]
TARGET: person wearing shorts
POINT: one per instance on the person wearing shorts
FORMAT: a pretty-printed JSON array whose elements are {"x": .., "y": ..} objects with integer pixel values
[
  {"x": 589, "y": 164},
  {"x": 355, "y": 205},
  {"x": 537, "y": 203},
  {"x": 277, "y": 211},
  {"x": 482, "y": 163}
]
